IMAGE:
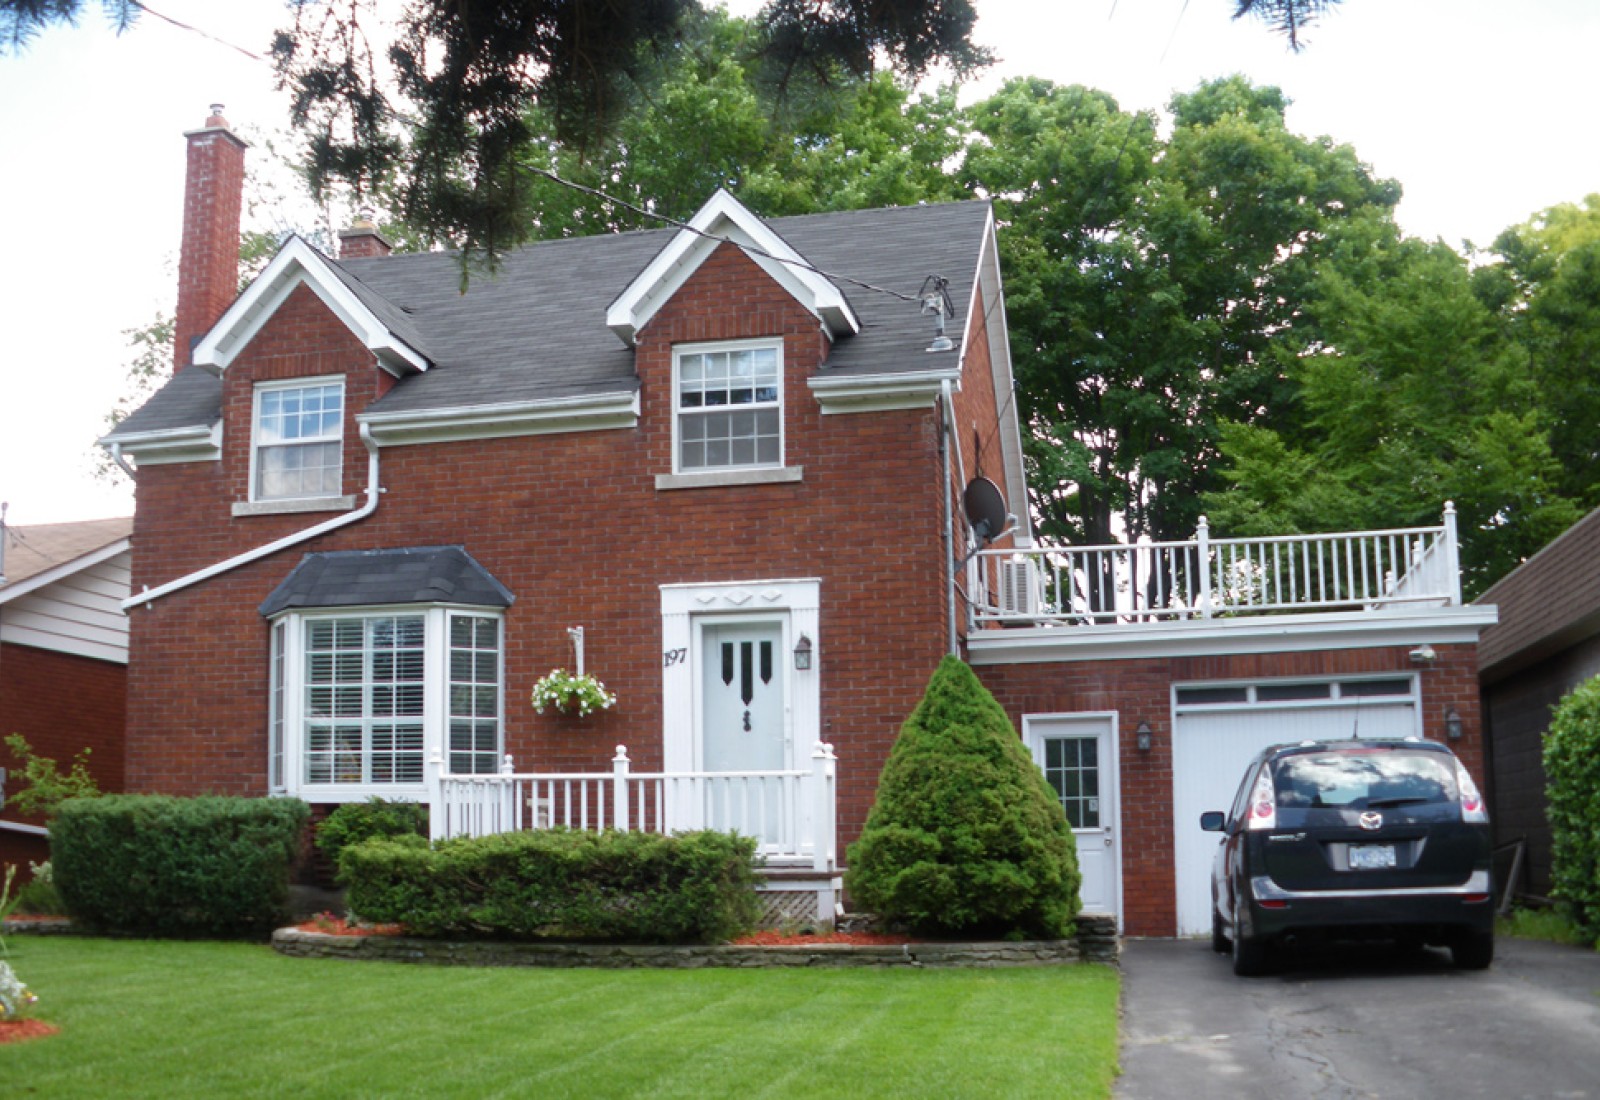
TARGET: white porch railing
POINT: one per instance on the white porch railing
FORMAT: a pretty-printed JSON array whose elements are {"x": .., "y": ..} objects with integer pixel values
[
  {"x": 1153, "y": 582},
  {"x": 790, "y": 813}
]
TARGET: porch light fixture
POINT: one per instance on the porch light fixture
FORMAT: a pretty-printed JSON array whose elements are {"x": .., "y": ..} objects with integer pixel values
[
  {"x": 802, "y": 654},
  {"x": 1452, "y": 724},
  {"x": 1141, "y": 737}
]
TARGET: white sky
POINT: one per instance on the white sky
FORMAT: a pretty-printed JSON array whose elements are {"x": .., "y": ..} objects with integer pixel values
[{"x": 1484, "y": 110}]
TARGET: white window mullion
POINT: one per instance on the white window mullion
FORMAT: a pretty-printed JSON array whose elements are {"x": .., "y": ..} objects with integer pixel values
[{"x": 435, "y": 708}]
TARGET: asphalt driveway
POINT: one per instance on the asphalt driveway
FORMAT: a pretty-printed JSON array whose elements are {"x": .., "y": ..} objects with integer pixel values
[{"x": 1357, "y": 1022}]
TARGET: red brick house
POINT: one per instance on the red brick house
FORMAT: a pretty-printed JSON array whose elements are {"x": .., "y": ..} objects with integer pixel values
[
  {"x": 373, "y": 511},
  {"x": 63, "y": 657}
]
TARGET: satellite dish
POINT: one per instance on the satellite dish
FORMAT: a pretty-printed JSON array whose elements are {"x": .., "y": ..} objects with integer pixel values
[{"x": 985, "y": 509}]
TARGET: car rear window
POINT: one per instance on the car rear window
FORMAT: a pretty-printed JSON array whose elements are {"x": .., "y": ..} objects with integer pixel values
[{"x": 1364, "y": 778}]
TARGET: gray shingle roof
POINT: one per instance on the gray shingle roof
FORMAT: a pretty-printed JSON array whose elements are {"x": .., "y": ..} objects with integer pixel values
[
  {"x": 536, "y": 329},
  {"x": 191, "y": 398},
  {"x": 379, "y": 578}
]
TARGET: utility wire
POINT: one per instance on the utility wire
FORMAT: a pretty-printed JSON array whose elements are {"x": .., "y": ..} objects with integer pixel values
[{"x": 196, "y": 30}]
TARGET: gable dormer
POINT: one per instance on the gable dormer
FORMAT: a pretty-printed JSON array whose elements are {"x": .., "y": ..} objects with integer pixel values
[
  {"x": 381, "y": 326},
  {"x": 725, "y": 218}
]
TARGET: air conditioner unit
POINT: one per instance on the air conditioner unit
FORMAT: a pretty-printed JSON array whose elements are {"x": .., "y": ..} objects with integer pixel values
[{"x": 1019, "y": 587}]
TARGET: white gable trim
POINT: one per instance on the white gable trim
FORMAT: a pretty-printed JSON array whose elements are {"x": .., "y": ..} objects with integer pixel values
[
  {"x": 590, "y": 413},
  {"x": 65, "y": 569},
  {"x": 297, "y": 262},
  {"x": 857, "y": 393},
  {"x": 992, "y": 301},
  {"x": 195, "y": 443},
  {"x": 724, "y": 216}
]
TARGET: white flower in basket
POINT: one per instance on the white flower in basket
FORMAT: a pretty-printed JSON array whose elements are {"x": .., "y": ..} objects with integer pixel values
[{"x": 571, "y": 694}]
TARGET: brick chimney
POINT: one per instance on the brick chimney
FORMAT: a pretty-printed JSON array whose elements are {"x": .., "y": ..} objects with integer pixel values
[
  {"x": 208, "y": 265},
  {"x": 362, "y": 240}
]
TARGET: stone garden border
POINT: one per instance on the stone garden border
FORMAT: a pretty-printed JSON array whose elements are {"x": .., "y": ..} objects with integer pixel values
[{"x": 1097, "y": 941}]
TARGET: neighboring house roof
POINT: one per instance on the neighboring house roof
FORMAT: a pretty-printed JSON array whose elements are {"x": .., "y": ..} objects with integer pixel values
[
  {"x": 537, "y": 329},
  {"x": 43, "y": 553},
  {"x": 1546, "y": 604},
  {"x": 63, "y": 587},
  {"x": 378, "y": 578}
]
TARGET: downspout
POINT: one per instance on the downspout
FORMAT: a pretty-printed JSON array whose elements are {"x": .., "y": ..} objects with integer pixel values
[
  {"x": 122, "y": 463},
  {"x": 373, "y": 492},
  {"x": 949, "y": 518}
]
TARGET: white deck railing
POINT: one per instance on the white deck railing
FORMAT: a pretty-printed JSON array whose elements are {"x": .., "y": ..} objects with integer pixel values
[
  {"x": 1153, "y": 582},
  {"x": 790, "y": 813}
]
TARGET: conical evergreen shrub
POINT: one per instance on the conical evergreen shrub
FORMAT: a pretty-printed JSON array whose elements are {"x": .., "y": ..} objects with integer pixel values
[{"x": 965, "y": 837}]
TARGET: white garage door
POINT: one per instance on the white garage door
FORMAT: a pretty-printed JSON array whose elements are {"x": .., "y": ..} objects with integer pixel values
[{"x": 1217, "y": 728}]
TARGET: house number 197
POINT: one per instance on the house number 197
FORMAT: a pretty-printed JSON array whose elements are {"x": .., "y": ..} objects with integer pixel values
[{"x": 673, "y": 657}]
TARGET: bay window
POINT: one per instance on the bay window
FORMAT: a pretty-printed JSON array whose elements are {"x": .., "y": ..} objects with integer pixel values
[{"x": 361, "y": 698}]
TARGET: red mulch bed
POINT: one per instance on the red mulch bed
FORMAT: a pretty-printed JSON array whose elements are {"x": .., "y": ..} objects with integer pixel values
[
  {"x": 860, "y": 939},
  {"x": 330, "y": 925},
  {"x": 18, "y": 1031}
]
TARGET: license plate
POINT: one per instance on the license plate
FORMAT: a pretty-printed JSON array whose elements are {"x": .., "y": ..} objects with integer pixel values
[{"x": 1371, "y": 857}]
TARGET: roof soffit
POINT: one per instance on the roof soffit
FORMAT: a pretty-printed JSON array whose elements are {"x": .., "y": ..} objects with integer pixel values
[
  {"x": 723, "y": 217},
  {"x": 296, "y": 263}
]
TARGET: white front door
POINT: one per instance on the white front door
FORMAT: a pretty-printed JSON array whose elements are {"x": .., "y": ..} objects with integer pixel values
[
  {"x": 1077, "y": 753},
  {"x": 743, "y": 722}
]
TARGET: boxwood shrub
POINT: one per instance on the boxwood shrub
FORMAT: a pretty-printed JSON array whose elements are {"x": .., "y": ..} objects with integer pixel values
[
  {"x": 965, "y": 836},
  {"x": 160, "y": 866},
  {"x": 623, "y": 887},
  {"x": 1572, "y": 771},
  {"x": 358, "y": 821}
]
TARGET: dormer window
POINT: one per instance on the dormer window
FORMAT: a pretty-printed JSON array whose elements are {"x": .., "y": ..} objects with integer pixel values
[
  {"x": 297, "y": 446},
  {"x": 728, "y": 406}
]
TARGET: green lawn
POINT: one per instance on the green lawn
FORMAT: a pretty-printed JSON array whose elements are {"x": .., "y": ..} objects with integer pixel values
[{"x": 156, "y": 1018}]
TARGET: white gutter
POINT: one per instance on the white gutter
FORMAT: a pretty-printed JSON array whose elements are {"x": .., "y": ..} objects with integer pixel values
[
  {"x": 373, "y": 491},
  {"x": 122, "y": 463},
  {"x": 23, "y": 827}
]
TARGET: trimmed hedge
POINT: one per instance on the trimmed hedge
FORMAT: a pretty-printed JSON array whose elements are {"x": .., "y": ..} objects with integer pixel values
[
  {"x": 558, "y": 884},
  {"x": 357, "y": 821},
  {"x": 965, "y": 836},
  {"x": 160, "y": 866},
  {"x": 1572, "y": 771}
]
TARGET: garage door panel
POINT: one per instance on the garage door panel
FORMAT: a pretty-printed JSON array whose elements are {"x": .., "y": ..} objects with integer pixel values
[{"x": 1210, "y": 751}]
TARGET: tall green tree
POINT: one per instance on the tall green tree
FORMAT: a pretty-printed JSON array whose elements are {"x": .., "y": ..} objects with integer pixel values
[
  {"x": 1412, "y": 393},
  {"x": 1546, "y": 285},
  {"x": 1154, "y": 285},
  {"x": 445, "y": 109}
]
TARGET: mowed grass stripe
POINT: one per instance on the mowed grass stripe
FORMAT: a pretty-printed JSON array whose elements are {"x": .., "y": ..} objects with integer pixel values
[{"x": 161, "y": 1018}]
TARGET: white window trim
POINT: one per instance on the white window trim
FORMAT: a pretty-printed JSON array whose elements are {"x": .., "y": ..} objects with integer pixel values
[
  {"x": 254, "y": 501},
  {"x": 687, "y": 608},
  {"x": 291, "y": 724},
  {"x": 679, "y": 474},
  {"x": 1334, "y": 699}
]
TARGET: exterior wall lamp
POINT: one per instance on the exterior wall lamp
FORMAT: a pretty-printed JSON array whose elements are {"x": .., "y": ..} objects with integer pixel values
[
  {"x": 1452, "y": 725},
  {"x": 802, "y": 654},
  {"x": 1141, "y": 737}
]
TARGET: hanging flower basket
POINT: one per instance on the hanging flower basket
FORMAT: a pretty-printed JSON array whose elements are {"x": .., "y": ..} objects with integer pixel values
[{"x": 571, "y": 694}]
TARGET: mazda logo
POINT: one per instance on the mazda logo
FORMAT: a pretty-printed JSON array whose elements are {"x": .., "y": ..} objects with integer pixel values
[{"x": 1371, "y": 820}]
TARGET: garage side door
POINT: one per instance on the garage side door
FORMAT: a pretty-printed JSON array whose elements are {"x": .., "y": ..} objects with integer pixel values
[{"x": 1209, "y": 752}]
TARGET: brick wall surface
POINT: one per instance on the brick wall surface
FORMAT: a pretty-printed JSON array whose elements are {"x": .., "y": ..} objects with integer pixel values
[
  {"x": 1139, "y": 691},
  {"x": 62, "y": 704},
  {"x": 208, "y": 278},
  {"x": 574, "y": 525}
]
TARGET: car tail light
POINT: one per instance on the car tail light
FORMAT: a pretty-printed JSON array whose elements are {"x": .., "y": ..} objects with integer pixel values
[
  {"x": 1263, "y": 803},
  {"x": 1472, "y": 807}
]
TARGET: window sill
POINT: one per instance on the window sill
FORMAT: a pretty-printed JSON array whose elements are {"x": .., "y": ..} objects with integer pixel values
[
  {"x": 288, "y": 507},
  {"x": 713, "y": 478}
]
